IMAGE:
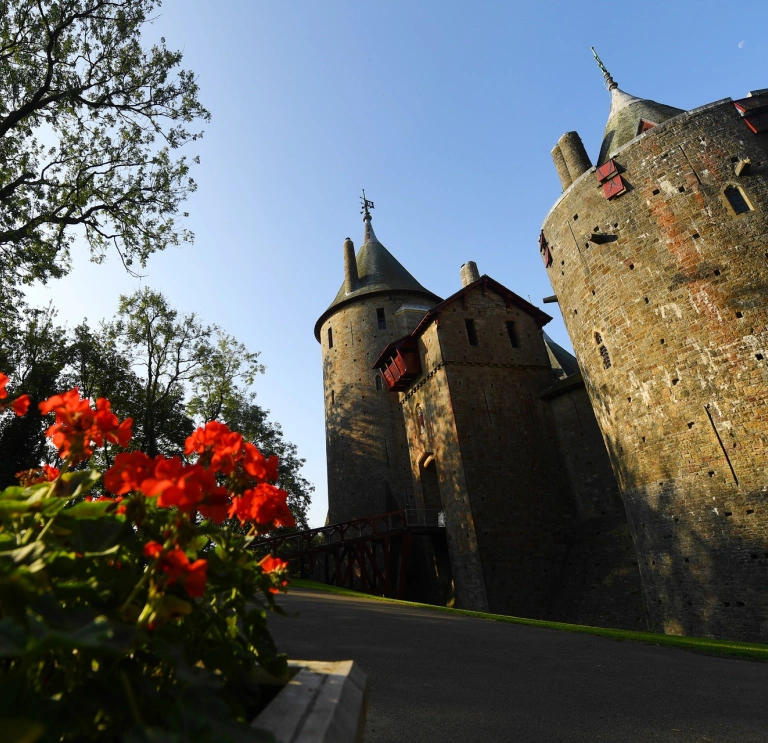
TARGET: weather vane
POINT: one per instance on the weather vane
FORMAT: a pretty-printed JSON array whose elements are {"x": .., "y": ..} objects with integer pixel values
[
  {"x": 609, "y": 81},
  {"x": 367, "y": 204}
]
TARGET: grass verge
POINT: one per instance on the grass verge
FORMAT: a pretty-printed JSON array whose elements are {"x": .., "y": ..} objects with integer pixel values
[{"x": 722, "y": 648}]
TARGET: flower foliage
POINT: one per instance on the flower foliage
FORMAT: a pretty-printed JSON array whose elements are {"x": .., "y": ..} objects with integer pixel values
[{"x": 129, "y": 610}]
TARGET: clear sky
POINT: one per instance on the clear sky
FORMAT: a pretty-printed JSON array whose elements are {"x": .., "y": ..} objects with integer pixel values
[{"x": 445, "y": 112}]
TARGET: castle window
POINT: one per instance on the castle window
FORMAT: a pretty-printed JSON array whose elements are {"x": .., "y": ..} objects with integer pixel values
[
  {"x": 421, "y": 420},
  {"x": 737, "y": 200},
  {"x": 333, "y": 397},
  {"x": 471, "y": 332},
  {"x": 605, "y": 357},
  {"x": 512, "y": 334},
  {"x": 330, "y": 337},
  {"x": 381, "y": 319},
  {"x": 378, "y": 382}
]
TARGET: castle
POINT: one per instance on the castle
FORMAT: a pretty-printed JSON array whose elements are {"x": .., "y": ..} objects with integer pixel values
[{"x": 627, "y": 490}]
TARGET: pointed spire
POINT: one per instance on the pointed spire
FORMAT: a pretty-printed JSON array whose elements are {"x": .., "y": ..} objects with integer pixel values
[
  {"x": 628, "y": 115},
  {"x": 610, "y": 83},
  {"x": 370, "y": 236}
]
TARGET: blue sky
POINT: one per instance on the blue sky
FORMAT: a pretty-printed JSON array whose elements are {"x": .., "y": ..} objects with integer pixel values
[{"x": 445, "y": 112}]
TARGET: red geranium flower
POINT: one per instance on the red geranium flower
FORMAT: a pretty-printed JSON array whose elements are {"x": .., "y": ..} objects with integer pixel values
[
  {"x": 78, "y": 427},
  {"x": 257, "y": 466},
  {"x": 128, "y": 472},
  {"x": 20, "y": 405}
]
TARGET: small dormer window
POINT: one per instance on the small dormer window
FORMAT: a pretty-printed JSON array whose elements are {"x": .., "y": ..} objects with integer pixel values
[
  {"x": 643, "y": 126},
  {"x": 381, "y": 319},
  {"x": 737, "y": 200}
]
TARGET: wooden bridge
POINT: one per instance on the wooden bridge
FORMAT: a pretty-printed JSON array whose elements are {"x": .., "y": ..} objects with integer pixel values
[{"x": 368, "y": 554}]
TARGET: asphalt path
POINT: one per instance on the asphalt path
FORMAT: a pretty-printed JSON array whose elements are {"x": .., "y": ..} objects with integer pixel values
[{"x": 436, "y": 676}]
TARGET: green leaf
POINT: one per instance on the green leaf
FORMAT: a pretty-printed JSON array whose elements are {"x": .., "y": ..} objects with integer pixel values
[
  {"x": 13, "y": 640},
  {"x": 26, "y": 554},
  {"x": 20, "y": 730},
  {"x": 14, "y": 507},
  {"x": 14, "y": 493},
  {"x": 72, "y": 484},
  {"x": 90, "y": 509}
]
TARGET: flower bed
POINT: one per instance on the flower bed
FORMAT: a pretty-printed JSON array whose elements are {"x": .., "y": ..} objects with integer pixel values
[{"x": 131, "y": 607}]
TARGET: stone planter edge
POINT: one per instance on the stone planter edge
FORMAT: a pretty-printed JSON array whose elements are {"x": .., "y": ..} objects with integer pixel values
[{"x": 324, "y": 702}]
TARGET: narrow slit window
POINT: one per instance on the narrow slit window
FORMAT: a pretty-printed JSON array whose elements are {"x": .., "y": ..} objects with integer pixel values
[
  {"x": 330, "y": 337},
  {"x": 512, "y": 334},
  {"x": 471, "y": 332},
  {"x": 381, "y": 319},
  {"x": 378, "y": 382},
  {"x": 333, "y": 397},
  {"x": 737, "y": 200}
]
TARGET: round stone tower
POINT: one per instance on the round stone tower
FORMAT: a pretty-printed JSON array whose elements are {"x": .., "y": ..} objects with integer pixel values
[
  {"x": 369, "y": 470},
  {"x": 659, "y": 259}
]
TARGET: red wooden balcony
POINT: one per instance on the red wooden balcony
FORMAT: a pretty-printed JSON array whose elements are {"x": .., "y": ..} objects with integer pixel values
[{"x": 399, "y": 364}]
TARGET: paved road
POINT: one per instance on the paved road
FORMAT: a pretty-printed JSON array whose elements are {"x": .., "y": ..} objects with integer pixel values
[{"x": 440, "y": 677}]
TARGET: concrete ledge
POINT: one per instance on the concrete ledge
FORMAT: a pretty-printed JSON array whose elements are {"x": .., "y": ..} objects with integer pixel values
[{"x": 325, "y": 702}]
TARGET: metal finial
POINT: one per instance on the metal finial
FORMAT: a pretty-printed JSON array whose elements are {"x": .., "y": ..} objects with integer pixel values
[
  {"x": 610, "y": 83},
  {"x": 366, "y": 206}
]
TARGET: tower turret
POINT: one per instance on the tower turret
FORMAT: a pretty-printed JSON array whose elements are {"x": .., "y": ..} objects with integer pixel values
[
  {"x": 657, "y": 258},
  {"x": 379, "y": 301}
]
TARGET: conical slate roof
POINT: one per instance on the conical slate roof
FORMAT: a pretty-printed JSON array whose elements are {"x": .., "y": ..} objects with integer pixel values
[
  {"x": 624, "y": 120},
  {"x": 378, "y": 270},
  {"x": 562, "y": 362}
]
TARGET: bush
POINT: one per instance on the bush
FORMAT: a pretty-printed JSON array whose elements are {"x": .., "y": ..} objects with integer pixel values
[{"x": 129, "y": 610}]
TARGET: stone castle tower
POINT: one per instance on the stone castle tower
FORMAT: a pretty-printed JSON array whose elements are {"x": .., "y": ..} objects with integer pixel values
[
  {"x": 658, "y": 255},
  {"x": 368, "y": 464}
]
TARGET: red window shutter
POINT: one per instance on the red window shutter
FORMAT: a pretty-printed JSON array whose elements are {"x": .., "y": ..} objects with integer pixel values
[
  {"x": 606, "y": 171},
  {"x": 614, "y": 187}
]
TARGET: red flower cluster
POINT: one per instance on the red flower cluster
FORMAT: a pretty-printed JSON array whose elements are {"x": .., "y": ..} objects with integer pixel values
[
  {"x": 19, "y": 406},
  {"x": 271, "y": 564},
  {"x": 46, "y": 473},
  {"x": 78, "y": 428},
  {"x": 189, "y": 487},
  {"x": 176, "y": 565},
  {"x": 263, "y": 504},
  {"x": 193, "y": 487}
]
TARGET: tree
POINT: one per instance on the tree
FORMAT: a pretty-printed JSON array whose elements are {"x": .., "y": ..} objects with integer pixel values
[
  {"x": 167, "y": 351},
  {"x": 32, "y": 353},
  {"x": 89, "y": 120},
  {"x": 243, "y": 415}
]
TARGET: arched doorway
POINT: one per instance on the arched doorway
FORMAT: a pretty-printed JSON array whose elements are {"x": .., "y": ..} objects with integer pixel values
[{"x": 430, "y": 485}]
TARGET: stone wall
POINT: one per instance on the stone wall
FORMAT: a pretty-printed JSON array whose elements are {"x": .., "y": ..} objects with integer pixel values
[
  {"x": 368, "y": 465},
  {"x": 508, "y": 509},
  {"x": 600, "y": 583},
  {"x": 667, "y": 313}
]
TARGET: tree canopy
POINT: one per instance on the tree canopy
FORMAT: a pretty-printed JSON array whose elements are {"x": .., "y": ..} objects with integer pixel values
[
  {"x": 167, "y": 370},
  {"x": 89, "y": 122}
]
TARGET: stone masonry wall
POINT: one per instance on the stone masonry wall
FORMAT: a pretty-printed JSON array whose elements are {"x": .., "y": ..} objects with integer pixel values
[
  {"x": 495, "y": 451},
  {"x": 668, "y": 319},
  {"x": 368, "y": 464},
  {"x": 600, "y": 583},
  {"x": 439, "y": 438}
]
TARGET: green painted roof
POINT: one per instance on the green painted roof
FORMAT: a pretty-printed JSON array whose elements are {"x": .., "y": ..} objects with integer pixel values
[
  {"x": 624, "y": 120},
  {"x": 378, "y": 270}
]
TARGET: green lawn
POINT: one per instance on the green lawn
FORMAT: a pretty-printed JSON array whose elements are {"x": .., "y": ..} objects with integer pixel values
[{"x": 723, "y": 648}]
